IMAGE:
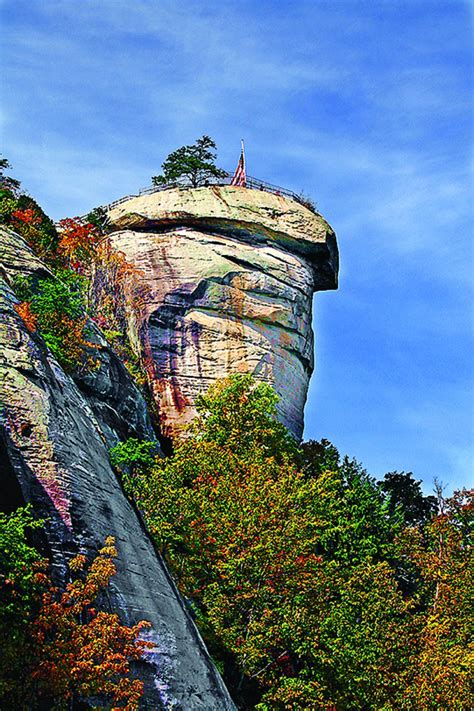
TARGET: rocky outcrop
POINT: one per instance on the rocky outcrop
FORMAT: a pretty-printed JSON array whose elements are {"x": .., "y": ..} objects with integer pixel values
[
  {"x": 229, "y": 276},
  {"x": 55, "y": 435},
  {"x": 226, "y": 277}
]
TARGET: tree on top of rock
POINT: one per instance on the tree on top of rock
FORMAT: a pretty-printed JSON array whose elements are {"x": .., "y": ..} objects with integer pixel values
[
  {"x": 6, "y": 182},
  {"x": 191, "y": 166}
]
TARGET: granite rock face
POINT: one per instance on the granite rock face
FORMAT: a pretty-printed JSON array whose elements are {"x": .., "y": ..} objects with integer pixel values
[
  {"x": 229, "y": 276},
  {"x": 54, "y": 440}
]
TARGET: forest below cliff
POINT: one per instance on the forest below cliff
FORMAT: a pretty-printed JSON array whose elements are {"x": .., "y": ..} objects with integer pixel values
[{"x": 314, "y": 585}]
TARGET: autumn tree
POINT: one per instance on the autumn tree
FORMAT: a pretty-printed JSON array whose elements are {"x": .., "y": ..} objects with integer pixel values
[
  {"x": 116, "y": 284},
  {"x": 59, "y": 307},
  {"x": 191, "y": 165},
  {"x": 439, "y": 675},
  {"x": 82, "y": 652},
  {"x": 54, "y": 306},
  {"x": 23, "y": 214},
  {"x": 78, "y": 243},
  {"x": 58, "y": 648}
]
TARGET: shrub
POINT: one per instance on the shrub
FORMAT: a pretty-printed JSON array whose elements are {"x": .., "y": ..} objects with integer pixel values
[
  {"x": 41, "y": 232},
  {"x": 133, "y": 455},
  {"x": 57, "y": 648},
  {"x": 19, "y": 594},
  {"x": 56, "y": 308},
  {"x": 307, "y": 202},
  {"x": 8, "y": 204}
]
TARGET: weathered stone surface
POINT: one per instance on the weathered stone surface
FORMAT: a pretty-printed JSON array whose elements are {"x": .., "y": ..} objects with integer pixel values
[
  {"x": 54, "y": 444},
  {"x": 230, "y": 275}
]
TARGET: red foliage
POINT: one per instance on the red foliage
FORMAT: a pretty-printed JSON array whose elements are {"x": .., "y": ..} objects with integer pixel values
[
  {"x": 78, "y": 243},
  {"x": 28, "y": 216}
]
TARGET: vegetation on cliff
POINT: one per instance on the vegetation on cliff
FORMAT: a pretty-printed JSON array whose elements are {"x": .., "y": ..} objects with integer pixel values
[
  {"x": 58, "y": 649},
  {"x": 314, "y": 585},
  {"x": 59, "y": 307}
]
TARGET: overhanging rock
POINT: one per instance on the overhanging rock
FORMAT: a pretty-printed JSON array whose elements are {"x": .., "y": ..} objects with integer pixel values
[{"x": 230, "y": 274}]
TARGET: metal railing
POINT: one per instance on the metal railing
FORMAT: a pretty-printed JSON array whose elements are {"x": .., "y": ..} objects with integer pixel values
[{"x": 251, "y": 183}]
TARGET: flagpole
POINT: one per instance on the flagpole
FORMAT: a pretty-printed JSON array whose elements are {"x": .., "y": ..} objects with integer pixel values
[{"x": 243, "y": 153}]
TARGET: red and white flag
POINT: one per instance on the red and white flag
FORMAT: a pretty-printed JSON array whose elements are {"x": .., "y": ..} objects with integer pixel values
[{"x": 240, "y": 177}]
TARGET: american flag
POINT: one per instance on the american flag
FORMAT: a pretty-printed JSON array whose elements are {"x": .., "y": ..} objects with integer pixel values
[{"x": 240, "y": 177}]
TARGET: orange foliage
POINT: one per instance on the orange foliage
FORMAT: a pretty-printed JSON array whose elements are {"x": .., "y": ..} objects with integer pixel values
[
  {"x": 26, "y": 223},
  {"x": 78, "y": 243},
  {"x": 27, "y": 217},
  {"x": 116, "y": 285},
  {"x": 79, "y": 651},
  {"x": 24, "y": 311},
  {"x": 65, "y": 337},
  {"x": 119, "y": 272}
]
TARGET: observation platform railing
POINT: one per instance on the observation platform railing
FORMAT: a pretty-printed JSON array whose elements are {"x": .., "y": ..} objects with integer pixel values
[{"x": 251, "y": 183}]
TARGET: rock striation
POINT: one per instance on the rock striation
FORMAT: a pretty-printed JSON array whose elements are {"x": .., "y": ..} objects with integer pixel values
[
  {"x": 54, "y": 438},
  {"x": 230, "y": 275}
]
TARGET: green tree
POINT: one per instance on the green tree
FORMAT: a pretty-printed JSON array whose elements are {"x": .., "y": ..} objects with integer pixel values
[
  {"x": 405, "y": 492},
  {"x": 191, "y": 165},
  {"x": 55, "y": 307},
  {"x": 133, "y": 456},
  {"x": 19, "y": 593},
  {"x": 239, "y": 414},
  {"x": 319, "y": 456},
  {"x": 287, "y": 567},
  {"x": 9, "y": 188},
  {"x": 100, "y": 219},
  {"x": 7, "y": 182}
]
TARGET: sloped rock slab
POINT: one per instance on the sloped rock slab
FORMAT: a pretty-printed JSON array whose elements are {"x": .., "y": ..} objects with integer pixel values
[{"x": 54, "y": 448}]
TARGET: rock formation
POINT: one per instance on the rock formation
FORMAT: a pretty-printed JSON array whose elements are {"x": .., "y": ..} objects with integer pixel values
[
  {"x": 230, "y": 274},
  {"x": 226, "y": 277},
  {"x": 54, "y": 439}
]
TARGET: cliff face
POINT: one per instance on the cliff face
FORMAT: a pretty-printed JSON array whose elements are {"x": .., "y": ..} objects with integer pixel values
[
  {"x": 226, "y": 279},
  {"x": 54, "y": 438},
  {"x": 229, "y": 276}
]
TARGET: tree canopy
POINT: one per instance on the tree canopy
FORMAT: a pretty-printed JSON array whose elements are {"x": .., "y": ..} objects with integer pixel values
[
  {"x": 295, "y": 563},
  {"x": 191, "y": 166}
]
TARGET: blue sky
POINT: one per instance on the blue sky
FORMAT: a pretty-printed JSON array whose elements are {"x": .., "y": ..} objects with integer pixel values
[{"x": 366, "y": 106}]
